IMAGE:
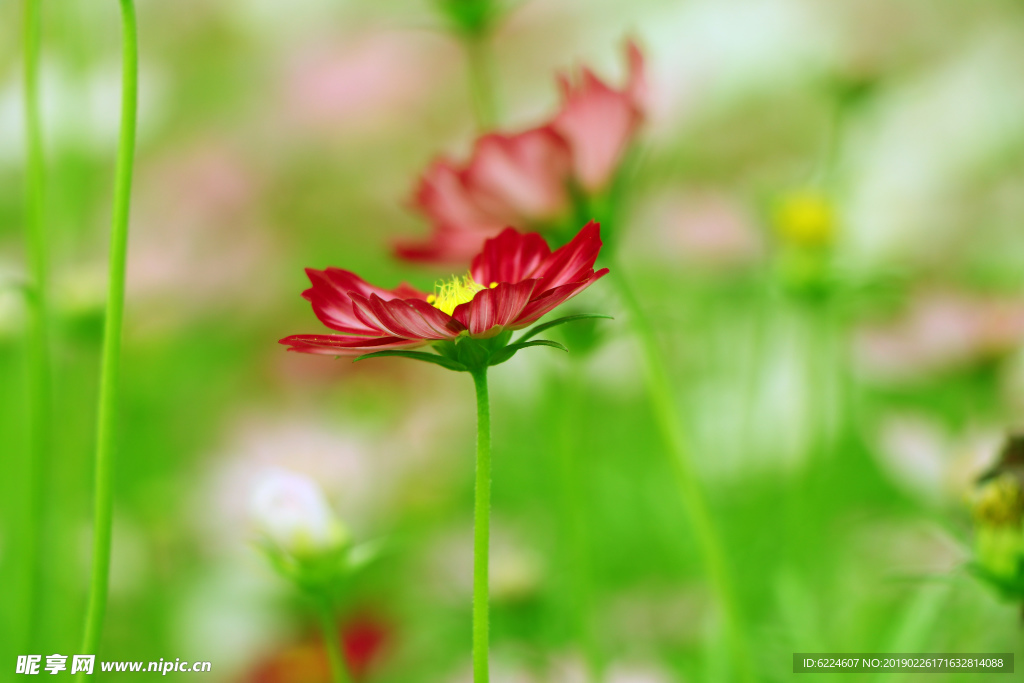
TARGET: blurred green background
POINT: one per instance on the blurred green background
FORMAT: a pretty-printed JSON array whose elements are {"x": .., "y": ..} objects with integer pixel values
[{"x": 839, "y": 406}]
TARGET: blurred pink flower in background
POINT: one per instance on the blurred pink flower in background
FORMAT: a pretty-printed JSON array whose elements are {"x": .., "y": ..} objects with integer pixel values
[
  {"x": 515, "y": 180},
  {"x": 361, "y": 84},
  {"x": 599, "y": 122},
  {"x": 527, "y": 180},
  {"x": 943, "y": 330},
  {"x": 196, "y": 230},
  {"x": 700, "y": 227}
]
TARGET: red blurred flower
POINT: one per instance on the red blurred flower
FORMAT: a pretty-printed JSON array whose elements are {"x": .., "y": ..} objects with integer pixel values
[
  {"x": 518, "y": 179},
  {"x": 599, "y": 121},
  {"x": 363, "y": 637},
  {"x": 530, "y": 178},
  {"x": 512, "y": 283}
]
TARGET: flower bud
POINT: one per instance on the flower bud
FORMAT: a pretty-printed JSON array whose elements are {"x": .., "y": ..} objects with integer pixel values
[
  {"x": 999, "y": 502},
  {"x": 292, "y": 513},
  {"x": 805, "y": 219},
  {"x": 998, "y": 508}
]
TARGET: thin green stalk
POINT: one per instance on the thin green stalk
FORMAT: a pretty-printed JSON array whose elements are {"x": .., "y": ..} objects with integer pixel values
[
  {"x": 110, "y": 370},
  {"x": 339, "y": 671},
  {"x": 481, "y": 530},
  {"x": 39, "y": 362},
  {"x": 691, "y": 492},
  {"x": 481, "y": 83},
  {"x": 580, "y": 590}
]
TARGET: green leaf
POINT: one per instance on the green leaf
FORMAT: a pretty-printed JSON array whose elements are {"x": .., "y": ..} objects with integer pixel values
[
  {"x": 510, "y": 350},
  {"x": 534, "y": 331},
  {"x": 417, "y": 355},
  {"x": 364, "y": 553}
]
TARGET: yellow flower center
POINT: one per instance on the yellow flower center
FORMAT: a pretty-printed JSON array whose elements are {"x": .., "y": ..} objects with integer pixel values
[
  {"x": 805, "y": 219},
  {"x": 450, "y": 294}
]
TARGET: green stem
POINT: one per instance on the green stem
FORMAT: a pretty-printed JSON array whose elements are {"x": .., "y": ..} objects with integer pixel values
[
  {"x": 339, "y": 671},
  {"x": 580, "y": 588},
  {"x": 481, "y": 530},
  {"x": 110, "y": 370},
  {"x": 40, "y": 408},
  {"x": 691, "y": 492},
  {"x": 481, "y": 88}
]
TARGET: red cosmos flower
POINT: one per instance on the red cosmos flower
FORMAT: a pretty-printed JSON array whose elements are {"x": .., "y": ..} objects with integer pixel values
[
  {"x": 599, "y": 122},
  {"x": 520, "y": 179},
  {"x": 512, "y": 283},
  {"x": 529, "y": 178}
]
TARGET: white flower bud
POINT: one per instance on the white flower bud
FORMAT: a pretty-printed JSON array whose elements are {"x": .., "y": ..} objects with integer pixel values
[{"x": 292, "y": 512}]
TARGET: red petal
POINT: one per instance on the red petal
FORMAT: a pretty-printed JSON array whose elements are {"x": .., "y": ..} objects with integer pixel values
[
  {"x": 552, "y": 298},
  {"x": 510, "y": 257},
  {"x": 332, "y": 303},
  {"x": 572, "y": 261},
  {"x": 409, "y": 319},
  {"x": 492, "y": 309},
  {"x": 338, "y": 345}
]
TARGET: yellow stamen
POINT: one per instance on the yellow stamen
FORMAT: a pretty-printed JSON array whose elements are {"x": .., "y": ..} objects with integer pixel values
[{"x": 450, "y": 294}]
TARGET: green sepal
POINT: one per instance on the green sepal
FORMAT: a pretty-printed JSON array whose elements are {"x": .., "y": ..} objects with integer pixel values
[
  {"x": 511, "y": 350},
  {"x": 443, "y": 361},
  {"x": 313, "y": 573},
  {"x": 473, "y": 353},
  {"x": 323, "y": 572},
  {"x": 534, "y": 331}
]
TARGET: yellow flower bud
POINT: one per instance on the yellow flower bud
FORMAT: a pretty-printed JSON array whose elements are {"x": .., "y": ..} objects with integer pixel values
[{"x": 805, "y": 218}]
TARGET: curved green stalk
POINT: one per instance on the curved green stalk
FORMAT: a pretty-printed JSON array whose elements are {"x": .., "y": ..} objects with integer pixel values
[
  {"x": 110, "y": 370},
  {"x": 691, "y": 493},
  {"x": 481, "y": 530},
  {"x": 578, "y": 547},
  {"x": 339, "y": 671},
  {"x": 481, "y": 84},
  {"x": 39, "y": 361}
]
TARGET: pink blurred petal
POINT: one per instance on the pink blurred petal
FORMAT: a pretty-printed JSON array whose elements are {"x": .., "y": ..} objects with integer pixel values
[{"x": 599, "y": 122}]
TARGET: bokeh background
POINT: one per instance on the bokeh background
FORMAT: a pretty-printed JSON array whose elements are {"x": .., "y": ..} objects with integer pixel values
[{"x": 837, "y": 417}]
